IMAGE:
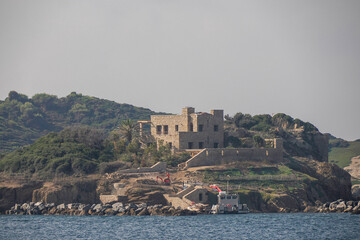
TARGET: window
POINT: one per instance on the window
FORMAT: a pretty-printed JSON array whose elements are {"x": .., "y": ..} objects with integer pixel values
[
  {"x": 158, "y": 129},
  {"x": 176, "y": 128},
  {"x": 216, "y": 145},
  {"x": 190, "y": 145},
  {"x": 234, "y": 197},
  {"x": 191, "y": 127},
  {"x": 201, "y": 145},
  {"x": 200, "y": 128},
  {"x": 228, "y": 197},
  {"x": 216, "y": 128},
  {"x": 200, "y": 197},
  {"x": 166, "y": 129},
  {"x": 170, "y": 144}
]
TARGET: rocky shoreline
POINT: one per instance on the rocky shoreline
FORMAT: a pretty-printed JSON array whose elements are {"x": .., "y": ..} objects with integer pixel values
[
  {"x": 143, "y": 209},
  {"x": 79, "y": 209},
  {"x": 338, "y": 206}
]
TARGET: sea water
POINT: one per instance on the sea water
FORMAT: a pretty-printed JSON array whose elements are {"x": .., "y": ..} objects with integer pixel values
[{"x": 247, "y": 226}]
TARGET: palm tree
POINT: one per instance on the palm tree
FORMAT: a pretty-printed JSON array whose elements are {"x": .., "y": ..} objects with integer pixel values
[{"x": 129, "y": 130}]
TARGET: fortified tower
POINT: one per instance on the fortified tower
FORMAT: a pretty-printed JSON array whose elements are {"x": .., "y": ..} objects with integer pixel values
[{"x": 190, "y": 130}]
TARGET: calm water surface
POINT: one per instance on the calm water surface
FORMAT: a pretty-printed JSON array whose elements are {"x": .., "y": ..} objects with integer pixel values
[{"x": 249, "y": 226}]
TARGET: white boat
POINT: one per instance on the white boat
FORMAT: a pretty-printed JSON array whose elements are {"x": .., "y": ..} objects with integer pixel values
[{"x": 228, "y": 203}]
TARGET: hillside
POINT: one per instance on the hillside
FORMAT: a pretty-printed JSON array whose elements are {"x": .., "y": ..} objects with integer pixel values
[
  {"x": 301, "y": 139},
  {"x": 76, "y": 137},
  {"x": 341, "y": 154},
  {"x": 81, "y": 150},
  {"x": 24, "y": 119}
]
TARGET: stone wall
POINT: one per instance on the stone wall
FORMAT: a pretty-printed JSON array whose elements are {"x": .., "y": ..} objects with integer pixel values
[{"x": 212, "y": 156}]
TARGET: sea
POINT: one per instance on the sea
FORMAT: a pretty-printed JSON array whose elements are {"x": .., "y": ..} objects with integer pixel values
[{"x": 247, "y": 226}]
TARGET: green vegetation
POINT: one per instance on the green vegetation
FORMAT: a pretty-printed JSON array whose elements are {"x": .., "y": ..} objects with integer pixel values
[
  {"x": 299, "y": 138},
  {"x": 79, "y": 150},
  {"x": 23, "y": 119},
  {"x": 341, "y": 156},
  {"x": 273, "y": 178},
  {"x": 264, "y": 122}
]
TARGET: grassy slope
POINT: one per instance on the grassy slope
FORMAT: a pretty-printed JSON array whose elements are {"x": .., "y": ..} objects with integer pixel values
[
  {"x": 269, "y": 178},
  {"x": 342, "y": 156}
]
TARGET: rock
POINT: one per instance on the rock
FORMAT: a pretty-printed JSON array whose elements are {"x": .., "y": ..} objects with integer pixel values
[
  {"x": 117, "y": 206},
  {"x": 310, "y": 209},
  {"x": 106, "y": 206},
  {"x": 25, "y": 207},
  {"x": 143, "y": 212},
  {"x": 341, "y": 206},
  {"x": 84, "y": 207},
  {"x": 49, "y": 205},
  {"x": 141, "y": 205},
  {"x": 356, "y": 191},
  {"x": 132, "y": 205},
  {"x": 333, "y": 205},
  {"x": 83, "y": 213},
  {"x": 356, "y": 210},
  {"x": 41, "y": 207},
  {"x": 132, "y": 212},
  {"x": 348, "y": 209},
  {"x": 20, "y": 193},
  {"x": 98, "y": 208},
  {"x": 109, "y": 211},
  {"x": 71, "y": 206},
  {"x": 17, "y": 207},
  {"x": 52, "y": 211},
  {"x": 61, "y": 206},
  {"x": 83, "y": 191},
  {"x": 350, "y": 203}
]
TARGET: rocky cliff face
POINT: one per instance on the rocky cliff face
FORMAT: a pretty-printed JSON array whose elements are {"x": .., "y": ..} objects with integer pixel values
[
  {"x": 299, "y": 143},
  {"x": 326, "y": 183},
  {"x": 79, "y": 191},
  {"x": 335, "y": 183},
  {"x": 17, "y": 193}
]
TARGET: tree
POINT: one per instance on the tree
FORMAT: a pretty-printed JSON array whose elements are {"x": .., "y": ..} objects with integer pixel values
[
  {"x": 129, "y": 130},
  {"x": 259, "y": 141}
]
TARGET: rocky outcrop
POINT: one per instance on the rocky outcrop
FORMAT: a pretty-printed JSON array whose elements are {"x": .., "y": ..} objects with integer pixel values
[
  {"x": 14, "y": 193},
  {"x": 301, "y": 143},
  {"x": 118, "y": 209},
  {"x": 333, "y": 182},
  {"x": 148, "y": 195},
  {"x": 77, "y": 191}
]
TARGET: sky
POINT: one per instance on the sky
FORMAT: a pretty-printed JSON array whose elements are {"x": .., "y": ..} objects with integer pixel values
[{"x": 299, "y": 57}]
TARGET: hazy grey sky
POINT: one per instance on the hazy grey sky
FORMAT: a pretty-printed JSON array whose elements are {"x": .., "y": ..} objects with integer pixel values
[{"x": 300, "y": 57}]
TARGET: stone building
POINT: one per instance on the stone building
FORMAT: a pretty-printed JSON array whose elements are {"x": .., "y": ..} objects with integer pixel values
[{"x": 190, "y": 130}]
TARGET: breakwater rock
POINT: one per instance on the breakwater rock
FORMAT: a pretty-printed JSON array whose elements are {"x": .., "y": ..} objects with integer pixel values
[
  {"x": 81, "y": 209},
  {"x": 338, "y": 206}
]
